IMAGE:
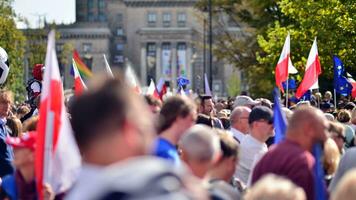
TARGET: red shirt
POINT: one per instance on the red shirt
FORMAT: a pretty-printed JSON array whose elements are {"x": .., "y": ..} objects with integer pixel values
[{"x": 289, "y": 160}]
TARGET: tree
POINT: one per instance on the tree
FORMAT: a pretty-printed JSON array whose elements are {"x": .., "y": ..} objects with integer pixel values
[
  {"x": 332, "y": 22},
  {"x": 253, "y": 17}
]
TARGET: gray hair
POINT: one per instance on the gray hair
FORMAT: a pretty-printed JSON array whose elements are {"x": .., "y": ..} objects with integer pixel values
[{"x": 200, "y": 143}]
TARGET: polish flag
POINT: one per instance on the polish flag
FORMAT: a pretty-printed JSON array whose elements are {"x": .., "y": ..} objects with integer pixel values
[
  {"x": 57, "y": 155},
  {"x": 79, "y": 85},
  {"x": 312, "y": 71},
  {"x": 152, "y": 90},
  {"x": 353, "y": 83},
  {"x": 132, "y": 79},
  {"x": 161, "y": 88},
  {"x": 281, "y": 73}
]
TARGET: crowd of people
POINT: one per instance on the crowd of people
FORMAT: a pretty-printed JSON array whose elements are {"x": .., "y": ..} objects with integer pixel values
[{"x": 136, "y": 146}]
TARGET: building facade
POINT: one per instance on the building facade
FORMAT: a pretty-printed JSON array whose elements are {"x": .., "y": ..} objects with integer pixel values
[{"x": 161, "y": 38}]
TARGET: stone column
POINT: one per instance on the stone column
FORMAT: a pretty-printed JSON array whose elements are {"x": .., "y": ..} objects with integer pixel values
[
  {"x": 143, "y": 63},
  {"x": 174, "y": 65},
  {"x": 158, "y": 62}
]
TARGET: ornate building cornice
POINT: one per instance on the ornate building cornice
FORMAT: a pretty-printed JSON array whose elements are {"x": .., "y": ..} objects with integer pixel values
[{"x": 160, "y": 3}]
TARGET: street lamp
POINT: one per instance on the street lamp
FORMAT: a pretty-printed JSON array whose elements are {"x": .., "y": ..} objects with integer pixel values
[{"x": 210, "y": 45}]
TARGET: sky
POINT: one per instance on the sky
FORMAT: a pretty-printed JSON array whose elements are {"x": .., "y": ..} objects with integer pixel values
[{"x": 61, "y": 11}]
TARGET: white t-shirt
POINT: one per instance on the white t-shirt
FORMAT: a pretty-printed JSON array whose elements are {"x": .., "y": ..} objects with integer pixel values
[
  {"x": 237, "y": 134},
  {"x": 251, "y": 151}
]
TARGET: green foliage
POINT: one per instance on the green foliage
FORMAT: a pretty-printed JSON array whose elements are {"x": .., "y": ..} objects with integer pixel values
[
  {"x": 13, "y": 41},
  {"x": 332, "y": 22},
  {"x": 233, "y": 85}
]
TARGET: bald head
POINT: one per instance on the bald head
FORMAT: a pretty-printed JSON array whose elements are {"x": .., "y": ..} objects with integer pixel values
[
  {"x": 239, "y": 118},
  {"x": 308, "y": 123}
]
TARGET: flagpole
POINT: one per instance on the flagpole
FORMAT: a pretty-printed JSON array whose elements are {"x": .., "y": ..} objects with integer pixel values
[
  {"x": 287, "y": 93},
  {"x": 335, "y": 99}
]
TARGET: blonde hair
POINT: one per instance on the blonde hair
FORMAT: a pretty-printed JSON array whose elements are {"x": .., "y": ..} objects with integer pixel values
[
  {"x": 346, "y": 189},
  {"x": 331, "y": 156},
  {"x": 273, "y": 187}
]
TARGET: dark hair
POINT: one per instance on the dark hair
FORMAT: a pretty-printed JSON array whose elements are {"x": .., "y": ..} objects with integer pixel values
[
  {"x": 202, "y": 98},
  {"x": 229, "y": 146},
  {"x": 172, "y": 108},
  {"x": 99, "y": 110},
  {"x": 14, "y": 126},
  {"x": 150, "y": 100}
]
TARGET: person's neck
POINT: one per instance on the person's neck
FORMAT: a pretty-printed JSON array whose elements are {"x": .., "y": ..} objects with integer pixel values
[
  {"x": 302, "y": 141},
  {"x": 28, "y": 173},
  {"x": 239, "y": 129},
  {"x": 217, "y": 174},
  {"x": 258, "y": 136},
  {"x": 171, "y": 135}
]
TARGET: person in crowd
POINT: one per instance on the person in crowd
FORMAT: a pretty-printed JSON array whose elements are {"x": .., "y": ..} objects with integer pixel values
[
  {"x": 220, "y": 175},
  {"x": 347, "y": 162},
  {"x": 272, "y": 187},
  {"x": 243, "y": 100},
  {"x": 264, "y": 102},
  {"x": 337, "y": 133},
  {"x": 206, "y": 107},
  {"x": 346, "y": 189},
  {"x": 200, "y": 149},
  {"x": 14, "y": 126},
  {"x": 22, "y": 184},
  {"x": 30, "y": 124},
  {"x": 177, "y": 115},
  {"x": 353, "y": 118},
  {"x": 154, "y": 104},
  {"x": 329, "y": 117},
  {"x": 328, "y": 97},
  {"x": 239, "y": 122},
  {"x": 252, "y": 146},
  {"x": 330, "y": 159},
  {"x": 204, "y": 119},
  {"x": 344, "y": 117},
  {"x": 292, "y": 158},
  {"x": 6, "y": 153},
  {"x": 22, "y": 111},
  {"x": 114, "y": 131}
]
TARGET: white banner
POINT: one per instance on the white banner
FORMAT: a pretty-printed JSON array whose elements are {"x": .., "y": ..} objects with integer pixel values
[
  {"x": 182, "y": 64},
  {"x": 166, "y": 64}
]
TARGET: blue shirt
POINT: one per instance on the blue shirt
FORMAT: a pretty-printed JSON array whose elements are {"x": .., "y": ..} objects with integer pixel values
[
  {"x": 166, "y": 150},
  {"x": 6, "y": 153}
]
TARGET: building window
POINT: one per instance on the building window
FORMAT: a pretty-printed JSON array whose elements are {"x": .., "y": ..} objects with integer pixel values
[
  {"x": 118, "y": 59},
  {"x": 151, "y": 19},
  {"x": 181, "y": 19},
  {"x": 101, "y": 4},
  {"x": 151, "y": 61},
  {"x": 91, "y": 17},
  {"x": 87, "y": 47},
  {"x": 119, "y": 47},
  {"x": 120, "y": 31},
  {"x": 59, "y": 47},
  {"x": 119, "y": 18},
  {"x": 166, "y": 19},
  {"x": 102, "y": 17},
  {"x": 90, "y": 4}
]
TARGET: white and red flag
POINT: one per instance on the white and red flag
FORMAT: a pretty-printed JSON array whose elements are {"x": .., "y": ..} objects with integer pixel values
[
  {"x": 312, "y": 71},
  {"x": 79, "y": 85},
  {"x": 161, "y": 88},
  {"x": 152, "y": 90},
  {"x": 132, "y": 79},
  {"x": 57, "y": 155},
  {"x": 353, "y": 83},
  {"x": 284, "y": 65}
]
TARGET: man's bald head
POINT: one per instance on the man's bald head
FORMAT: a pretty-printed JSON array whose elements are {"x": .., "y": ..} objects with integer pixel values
[
  {"x": 309, "y": 122},
  {"x": 239, "y": 118}
]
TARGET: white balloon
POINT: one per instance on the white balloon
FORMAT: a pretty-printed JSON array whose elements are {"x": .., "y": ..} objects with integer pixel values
[{"x": 3, "y": 55}]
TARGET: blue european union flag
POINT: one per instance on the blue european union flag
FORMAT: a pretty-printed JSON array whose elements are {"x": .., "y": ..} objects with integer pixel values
[
  {"x": 279, "y": 118},
  {"x": 291, "y": 84},
  {"x": 320, "y": 187},
  {"x": 341, "y": 84},
  {"x": 182, "y": 81}
]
